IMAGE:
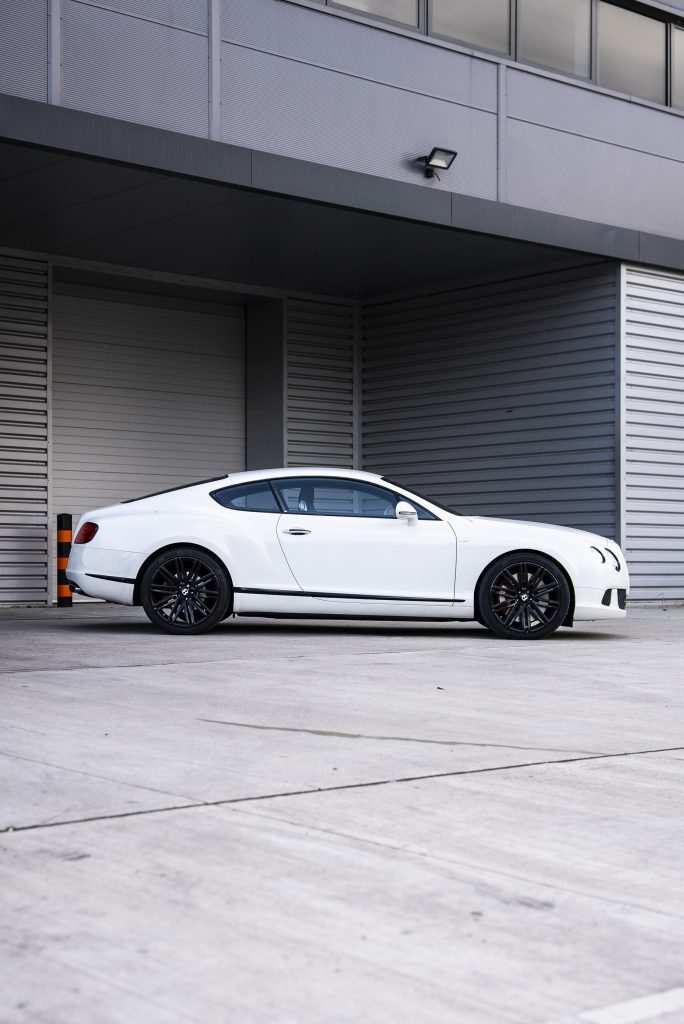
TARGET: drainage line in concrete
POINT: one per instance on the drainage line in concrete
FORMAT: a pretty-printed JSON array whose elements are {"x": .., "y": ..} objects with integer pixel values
[{"x": 336, "y": 789}]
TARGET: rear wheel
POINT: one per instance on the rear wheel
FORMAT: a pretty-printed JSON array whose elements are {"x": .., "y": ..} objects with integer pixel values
[
  {"x": 185, "y": 591},
  {"x": 524, "y": 596}
]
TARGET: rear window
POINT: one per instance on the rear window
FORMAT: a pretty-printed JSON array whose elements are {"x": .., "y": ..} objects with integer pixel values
[{"x": 256, "y": 497}]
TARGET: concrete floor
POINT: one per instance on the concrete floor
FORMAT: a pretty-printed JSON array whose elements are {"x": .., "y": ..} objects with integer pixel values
[{"x": 333, "y": 823}]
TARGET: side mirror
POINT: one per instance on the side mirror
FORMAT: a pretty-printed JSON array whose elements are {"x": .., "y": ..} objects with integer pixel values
[{"x": 406, "y": 512}]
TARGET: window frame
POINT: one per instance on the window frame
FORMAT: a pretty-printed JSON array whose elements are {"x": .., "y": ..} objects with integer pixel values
[
  {"x": 347, "y": 9},
  {"x": 249, "y": 483},
  {"x": 589, "y": 77},
  {"x": 655, "y": 14},
  {"x": 431, "y": 516},
  {"x": 512, "y": 32}
]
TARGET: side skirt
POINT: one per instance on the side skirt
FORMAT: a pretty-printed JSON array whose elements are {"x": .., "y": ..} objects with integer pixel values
[{"x": 350, "y": 618}]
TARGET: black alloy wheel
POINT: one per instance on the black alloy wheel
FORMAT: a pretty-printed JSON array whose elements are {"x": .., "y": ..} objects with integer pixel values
[
  {"x": 524, "y": 596},
  {"x": 186, "y": 591}
]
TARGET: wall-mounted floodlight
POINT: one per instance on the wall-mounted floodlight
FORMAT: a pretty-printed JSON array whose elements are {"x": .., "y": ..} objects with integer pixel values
[{"x": 440, "y": 159}]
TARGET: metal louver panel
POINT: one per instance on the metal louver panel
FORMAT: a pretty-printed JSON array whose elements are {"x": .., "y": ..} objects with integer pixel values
[
  {"x": 148, "y": 393},
  {"x": 23, "y": 430},
  {"x": 499, "y": 399},
  {"x": 320, "y": 384},
  {"x": 653, "y": 353}
]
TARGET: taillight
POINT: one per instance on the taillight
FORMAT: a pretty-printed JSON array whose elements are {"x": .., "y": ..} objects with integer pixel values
[{"x": 86, "y": 533}]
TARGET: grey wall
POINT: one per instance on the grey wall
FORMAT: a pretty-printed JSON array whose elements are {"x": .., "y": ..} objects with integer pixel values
[
  {"x": 653, "y": 436},
  {"x": 297, "y": 81},
  {"x": 320, "y": 375},
  {"x": 499, "y": 399}
]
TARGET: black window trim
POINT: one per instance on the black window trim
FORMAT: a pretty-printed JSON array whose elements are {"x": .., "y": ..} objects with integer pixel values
[
  {"x": 248, "y": 483},
  {"x": 348, "y": 480}
]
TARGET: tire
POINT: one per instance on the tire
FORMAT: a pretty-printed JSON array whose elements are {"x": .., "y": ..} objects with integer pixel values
[
  {"x": 523, "y": 596},
  {"x": 185, "y": 591}
]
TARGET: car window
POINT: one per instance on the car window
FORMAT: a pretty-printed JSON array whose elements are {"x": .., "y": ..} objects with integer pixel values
[
  {"x": 256, "y": 497},
  {"x": 326, "y": 496}
]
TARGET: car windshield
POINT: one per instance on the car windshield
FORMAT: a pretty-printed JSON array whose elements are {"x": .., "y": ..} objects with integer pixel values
[{"x": 423, "y": 497}]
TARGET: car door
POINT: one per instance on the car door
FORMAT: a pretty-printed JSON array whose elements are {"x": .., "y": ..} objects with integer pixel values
[{"x": 342, "y": 538}]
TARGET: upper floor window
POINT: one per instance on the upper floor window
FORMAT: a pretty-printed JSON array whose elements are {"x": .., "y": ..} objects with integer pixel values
[
  {"x": 485, "y": 24},
  {"x": 631, "y": 53},
  {"x": 404, "y": 11},
  {"x": 678, "y": 67},
  {"x": 556, "y": 34}
]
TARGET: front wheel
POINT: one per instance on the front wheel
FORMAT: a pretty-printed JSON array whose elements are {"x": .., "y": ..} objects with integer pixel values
[
  {"x": 185, "y": 591},
  {"x": 524, "y": 596}
]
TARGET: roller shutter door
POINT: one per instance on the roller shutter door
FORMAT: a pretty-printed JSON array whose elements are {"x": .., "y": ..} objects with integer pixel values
[
  {"x": 148, "y": 394},
  {"x": 500, "y": 399},
  {"x": 653, "y": 340},
  {"x": 320, "y": 383},
  {"x": 23, "y": 430}
]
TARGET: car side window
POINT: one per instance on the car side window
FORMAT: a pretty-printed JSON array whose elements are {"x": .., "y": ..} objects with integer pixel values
[
  {"x": 326, "y": 496},
  {"x": 256, "y": 497}
]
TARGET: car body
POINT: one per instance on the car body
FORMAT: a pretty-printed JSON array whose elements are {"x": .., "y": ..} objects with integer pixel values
[{"x": 342, "y": 543}]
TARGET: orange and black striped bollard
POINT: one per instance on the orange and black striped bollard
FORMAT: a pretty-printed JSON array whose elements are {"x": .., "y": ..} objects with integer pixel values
[{"x": 64, "y": 538}]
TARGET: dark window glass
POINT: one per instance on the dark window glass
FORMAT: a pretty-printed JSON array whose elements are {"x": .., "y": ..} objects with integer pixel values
[
  {"x": 405, "y": 11},
  {"x": 480, "y": 23},
  {"x": 631, "y": 53},
  {"x": 257, "y": 497},
  {"x": 555, "y": 33},
  {"x": 322, "y": 496},
  {"x": 678, "y": 67}
]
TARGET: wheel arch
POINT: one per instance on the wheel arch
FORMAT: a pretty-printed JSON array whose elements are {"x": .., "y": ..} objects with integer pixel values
[
  {"x": 170, "y": 547},
  {"x": 516, "y": 552}
]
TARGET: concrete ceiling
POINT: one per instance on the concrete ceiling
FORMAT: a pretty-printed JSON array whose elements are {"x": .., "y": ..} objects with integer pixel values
[{"x": 82, "y": 207}]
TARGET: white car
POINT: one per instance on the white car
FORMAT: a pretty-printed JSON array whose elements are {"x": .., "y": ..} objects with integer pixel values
[{"x": 339, "y": 544}]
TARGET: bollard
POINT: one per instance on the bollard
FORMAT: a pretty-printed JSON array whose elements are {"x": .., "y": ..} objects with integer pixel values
[{"x": 64, "y": 537}]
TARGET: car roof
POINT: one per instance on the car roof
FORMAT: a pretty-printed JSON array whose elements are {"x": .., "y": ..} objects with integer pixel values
[
  {"x": 189, "y": 491},
  {"x": 249, "y": 476}
]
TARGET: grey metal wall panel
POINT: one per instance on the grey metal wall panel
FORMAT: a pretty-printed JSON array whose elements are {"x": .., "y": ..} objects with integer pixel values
[
  {"x": 499, "y": 399},
  {"x": 188, "y": 14},
  {"x": 572, "y": 151},
  {"x": 134, "y": 69},
  {"x": 23, "y": 48},
  {"x": 653, "y": 444},
  {"x": 282, "y": 106},
  {"x": 567, "y": 107},
  {"x": 147, "y": 394},
  {"x": 360, "y": 50},
  {"x": 320, "y": 384},
  {"x": 23, "y": 430}
]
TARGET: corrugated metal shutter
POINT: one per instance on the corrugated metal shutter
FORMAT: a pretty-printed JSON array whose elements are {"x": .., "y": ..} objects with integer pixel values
[
  {"x": 653, "y": 340},
  {"x": 24, "y": 48},
  {"x": 148, "y": 394},
  {"x": 23, "y": 429},
  {"x": 499, "y": 399},
  {"x": 320, "y": 383}
]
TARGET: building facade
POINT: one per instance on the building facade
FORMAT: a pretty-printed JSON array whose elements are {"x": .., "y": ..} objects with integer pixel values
[{"x": 219, "y": 250}]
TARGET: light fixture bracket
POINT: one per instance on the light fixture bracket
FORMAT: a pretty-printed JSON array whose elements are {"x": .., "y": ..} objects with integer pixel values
[{"x": 439, "y": 159}]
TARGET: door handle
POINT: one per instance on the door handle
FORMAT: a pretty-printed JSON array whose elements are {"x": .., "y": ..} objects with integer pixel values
[{"x": 297, "y": 532}]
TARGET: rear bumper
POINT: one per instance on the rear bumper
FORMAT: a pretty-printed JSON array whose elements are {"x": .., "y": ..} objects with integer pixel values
[
  {"x": 104, "y": 573},
  {"x": 116, "y": 590}
]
